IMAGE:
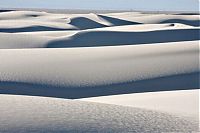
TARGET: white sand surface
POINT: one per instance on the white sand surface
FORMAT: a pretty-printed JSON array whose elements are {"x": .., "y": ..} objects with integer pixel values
[
  {"x": 192, "y": 20},
  {"x": 133, "y": 68},
  {"x": 38, "y": 114},
  {"x": 129, "y": 72},
  {"x": 184, "y": 102}
]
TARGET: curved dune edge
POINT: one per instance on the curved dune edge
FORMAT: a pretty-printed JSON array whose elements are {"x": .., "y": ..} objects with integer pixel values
[
  {"x": 167, "y": 83},
  {"x": 181, "y": 102},
  {"x": 39, "y": 114},
  {"x": 114, "y": 38},
  {"x": 97, "y": 37}
]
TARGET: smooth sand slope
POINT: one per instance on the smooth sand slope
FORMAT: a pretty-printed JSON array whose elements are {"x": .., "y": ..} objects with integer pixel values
[
  {"x": 184, "y": 102},
  {"x": 83, "y": 72},
  {"x": 129, "y": 72},
  {"x": 36, "y": 114}
]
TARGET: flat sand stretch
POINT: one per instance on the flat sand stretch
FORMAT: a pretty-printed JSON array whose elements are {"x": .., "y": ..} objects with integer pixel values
[{"x": 115, "y": 72}]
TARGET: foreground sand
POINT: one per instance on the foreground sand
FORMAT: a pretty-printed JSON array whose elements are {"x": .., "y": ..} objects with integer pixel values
[
  {"x": 127, "y": 72},
  {"x": 39, "y": 114}
]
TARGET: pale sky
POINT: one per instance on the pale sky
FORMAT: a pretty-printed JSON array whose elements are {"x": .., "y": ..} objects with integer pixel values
[{"x": 149, "y": 5}]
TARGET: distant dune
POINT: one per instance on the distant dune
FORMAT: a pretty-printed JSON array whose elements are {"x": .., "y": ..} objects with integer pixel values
[{"x": 125, "y": 71}]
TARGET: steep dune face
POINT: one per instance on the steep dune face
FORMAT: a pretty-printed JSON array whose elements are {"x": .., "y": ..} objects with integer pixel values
[
  {"x": 105, "y": 59},
  {"x": 116, "y": 21},
  {"x": 83, "y": 23}
]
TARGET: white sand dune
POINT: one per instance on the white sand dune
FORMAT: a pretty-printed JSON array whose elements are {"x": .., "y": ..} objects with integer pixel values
[
  {"x": 94, "y": 30},
  {"x": 116, "y": 69},
  {"x": 13, "y": 15},
  {"x": 123, "y": 28},
  {"x": 101, "y": 37},
  {"x": 192, "y": 20},
  {"x": 113, "y": 38},
  {"x": 132, "y": 71},
  {"x": 36, "y": 114},
  {"x": 10, "y": 40},
  {"x": 9, "y": 26},
  {"x": 37, "y": 21}
]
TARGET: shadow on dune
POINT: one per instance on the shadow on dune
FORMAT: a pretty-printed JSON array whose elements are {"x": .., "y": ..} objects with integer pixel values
[
  {"x": 33, "y": 15},
  {"x": 116, "y": 21},
  {"x": 32, "y": 29},
  {"x": 169, "y": 83},
  {"x": 108, "y": 38},
  {"x": 187, "y": 13},
  {"x": 5, "y": 10},
  {"x": 83, "y": 23},
  {"x": 195, "y": 23}
]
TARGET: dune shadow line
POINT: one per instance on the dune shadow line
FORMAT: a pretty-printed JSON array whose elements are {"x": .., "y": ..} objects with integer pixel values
[
  {"x": 83, "y": 23},
  {"x": 114, "y": 38},
  {"x": 169, "y": 83},
  {"x": 5, "y": 10},
  {"x": 117, "y": 21},
  {"x": 195, "y": 23},
  {"x": 32, "y": 29}
]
